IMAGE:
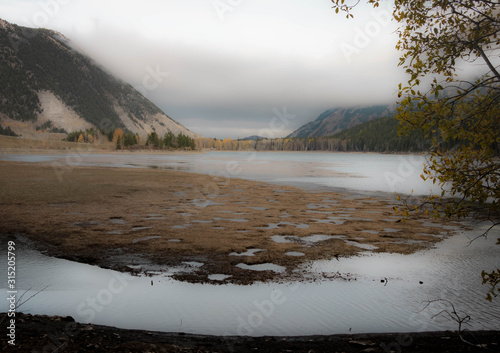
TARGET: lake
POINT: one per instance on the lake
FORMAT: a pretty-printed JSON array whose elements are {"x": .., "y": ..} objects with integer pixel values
[
  {"x": 383, "y": 293},
  {"x": 359, "y": 172}
]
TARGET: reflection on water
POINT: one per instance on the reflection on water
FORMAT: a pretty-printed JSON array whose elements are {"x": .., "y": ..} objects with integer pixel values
[
  {"x": 361, "y": 304},
  {"x": 354, "y": 171}
]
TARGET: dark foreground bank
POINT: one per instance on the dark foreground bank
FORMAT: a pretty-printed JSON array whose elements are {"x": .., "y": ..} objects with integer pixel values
[{"x": 62, "y": 334}]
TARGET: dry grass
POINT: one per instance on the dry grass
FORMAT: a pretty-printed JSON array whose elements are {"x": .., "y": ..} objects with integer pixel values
[
  {"x": 109, "y": 216},
  {"x": 54, "y": 142}
]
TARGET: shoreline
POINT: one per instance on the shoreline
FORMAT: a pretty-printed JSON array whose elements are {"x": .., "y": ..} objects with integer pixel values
[
  {"x": 133, "y": 220},
  {"x": 84, "y": 150},
  {"x": 71, "y": 216},
  {"x": 52, "y": 333},
  {"x": 18, "y": 145}
]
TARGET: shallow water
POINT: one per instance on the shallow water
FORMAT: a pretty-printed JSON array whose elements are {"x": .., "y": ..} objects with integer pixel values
[
  {"x": 383, "y": 294},
  {"x": 338, "y": 171}
]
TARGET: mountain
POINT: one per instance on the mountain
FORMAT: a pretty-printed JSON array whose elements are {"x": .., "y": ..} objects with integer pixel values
[
  {"x": 381, "y": 135},
  {"x": 377, "y": 135},
  {"x": 46, "y": 81},
  {"x": 333, "y": 121},
  {"x": 252, "y": 138}
]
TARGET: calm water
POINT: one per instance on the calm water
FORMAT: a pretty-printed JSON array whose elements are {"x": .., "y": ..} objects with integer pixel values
[
  {"x": 337, "y": 171},
  {"x": 364, "y": 304}
]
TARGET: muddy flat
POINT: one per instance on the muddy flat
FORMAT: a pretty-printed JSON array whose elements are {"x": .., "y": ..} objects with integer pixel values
[
  {"x": 62, "y": 334},
  {"x": 211, "y": 229}
]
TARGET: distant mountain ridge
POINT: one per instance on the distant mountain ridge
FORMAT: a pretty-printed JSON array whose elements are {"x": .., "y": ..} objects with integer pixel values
[
  {"x": 333, "y": 121},
  {"x": 44, "y": 79},
  {"x": 252, "y": 138}
]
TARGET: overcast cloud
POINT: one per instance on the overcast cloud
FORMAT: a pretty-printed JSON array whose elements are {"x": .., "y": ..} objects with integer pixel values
[{"x": 225, "y": 67}]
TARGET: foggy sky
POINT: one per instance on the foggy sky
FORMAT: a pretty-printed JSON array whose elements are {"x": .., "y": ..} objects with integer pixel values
[{"x": 232, "y": 68}]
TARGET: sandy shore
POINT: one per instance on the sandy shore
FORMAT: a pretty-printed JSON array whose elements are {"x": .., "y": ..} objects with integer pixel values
[
  {"x": 62, "y": 334},
  {"x": 141, "y": 220}
]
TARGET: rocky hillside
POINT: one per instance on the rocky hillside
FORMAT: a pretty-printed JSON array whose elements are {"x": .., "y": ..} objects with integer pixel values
[
  {"x": 44, "y": 79},
  {"x": 336, "y": 120}
]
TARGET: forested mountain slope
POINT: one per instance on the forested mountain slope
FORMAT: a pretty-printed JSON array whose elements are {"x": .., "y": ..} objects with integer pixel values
[
  {"x": 336, "y": 120},
  {"x": 44, "y": 79}
]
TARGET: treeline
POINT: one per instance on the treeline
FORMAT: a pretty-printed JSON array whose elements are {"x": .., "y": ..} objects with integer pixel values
[
  {"x": 225, "y": 144},
  {"x": 280, "y": 144},
  {"x": 124, "y": 139},
  {"x": 379, "y": 135},
  {"x": 170, "y": 141},
  {"x": 87, "y": 136}
]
